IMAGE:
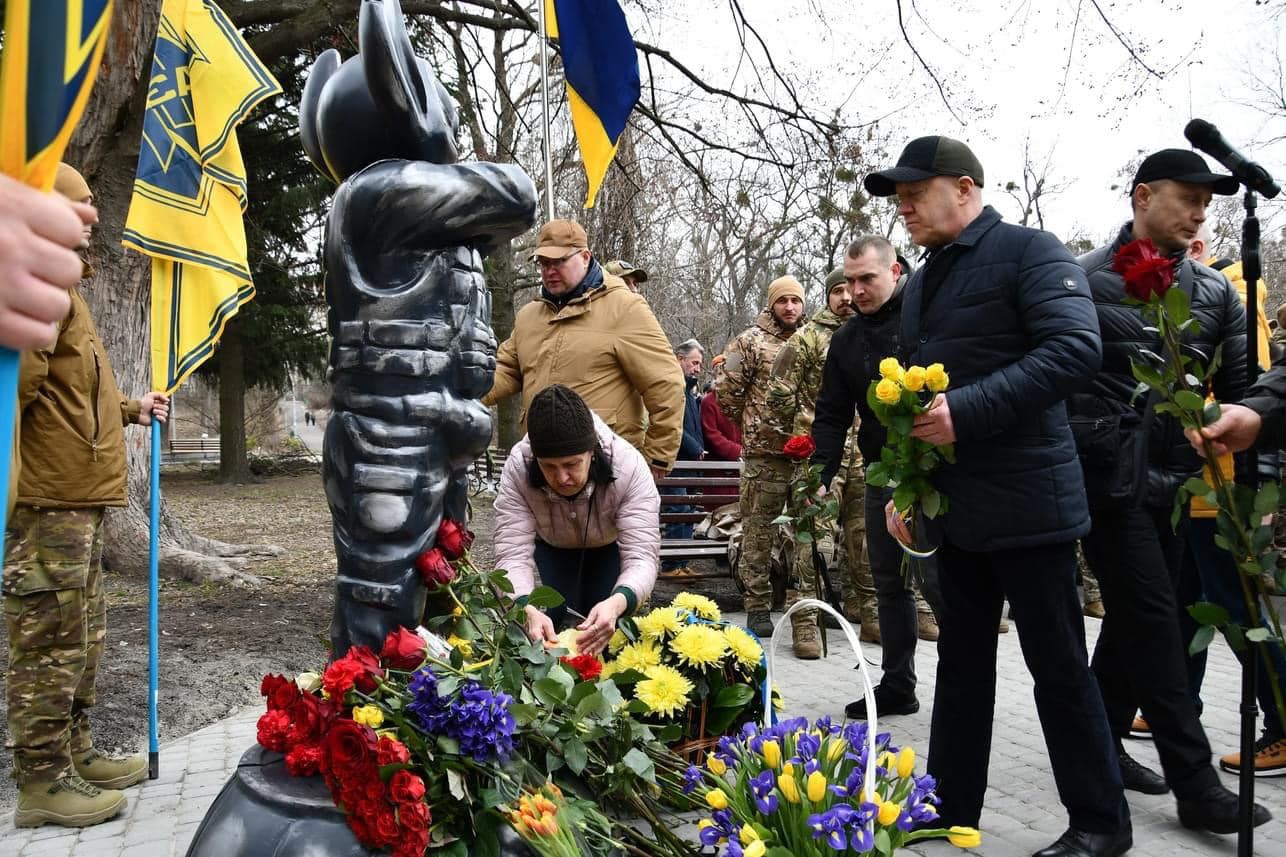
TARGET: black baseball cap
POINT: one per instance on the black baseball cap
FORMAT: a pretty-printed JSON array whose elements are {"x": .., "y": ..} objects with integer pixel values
[
  {"x": 923, "y": 159},
  {"x": 1182, "y": 165}
]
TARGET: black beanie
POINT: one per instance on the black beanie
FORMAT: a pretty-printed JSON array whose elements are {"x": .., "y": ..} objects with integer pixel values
[{"x": 559, "y": 423}]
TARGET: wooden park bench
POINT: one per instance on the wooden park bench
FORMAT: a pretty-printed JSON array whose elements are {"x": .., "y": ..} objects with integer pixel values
[
  {"x": 695, "y": 477},
  {"x": 203, "y": 446}
]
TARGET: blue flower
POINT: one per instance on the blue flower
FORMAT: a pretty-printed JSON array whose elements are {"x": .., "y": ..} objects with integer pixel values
[
  {"x": 761, "y": 787},
  {"x": 722, "y": 826},
  {"x": 691, "y": 779},
  {"x": 478, "y": 719}
]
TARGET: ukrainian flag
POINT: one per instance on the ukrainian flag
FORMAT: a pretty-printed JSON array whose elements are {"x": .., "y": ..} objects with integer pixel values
[
  {"x": 602, "y": 71},
  {"x": 190, "y": 190}
]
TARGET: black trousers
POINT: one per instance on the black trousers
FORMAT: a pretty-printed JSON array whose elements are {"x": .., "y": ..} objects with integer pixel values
[
  {"x": 1040, "y": 583},
  {"x": 1140, "y": 660},
  {"x": 899, "y": 625},
  {"x": 583, "y": 576}
]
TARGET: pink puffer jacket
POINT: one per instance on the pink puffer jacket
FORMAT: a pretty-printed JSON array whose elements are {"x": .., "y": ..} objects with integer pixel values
[{"x": 627, "y": 512}]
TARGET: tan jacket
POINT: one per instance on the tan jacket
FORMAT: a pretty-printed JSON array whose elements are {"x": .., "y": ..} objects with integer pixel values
[
  {"x": 607, "y": 346},
  {"x": 72, "y": 436}
]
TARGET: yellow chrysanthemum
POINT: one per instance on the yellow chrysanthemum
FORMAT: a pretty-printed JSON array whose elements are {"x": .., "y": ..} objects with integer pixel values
[
  {"x": 368, "y": 715},
  {"x": 464, "y": 646},
  {"x": 891, "y": 369},
  {"x": 637, "y": 656},
  {"x": 699, "y": 645},
  {"x": 665, "y": 690},
  {"x": 698, "y": 604},
  {"x": 745, "y": 648},
  {"x": 618, "y": 641},
  {"x": 935, "y": 375},
  {"x": 660, "y": 622},
  {"x": 888, "y": 391},
  {"x": 914, "y": 379}
]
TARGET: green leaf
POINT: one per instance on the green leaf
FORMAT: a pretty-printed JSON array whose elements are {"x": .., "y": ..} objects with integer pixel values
[
  {"x": 1189, "y": 401},
  {"x": 804, "y": 538},
  {"x": 524, "y": 714},
  {"x": 734, "y": 696},
  {"x": 553, "y": 761},
  {"x": 1196, "y": 486},
  {"x": 486, "y": 843},
  {"x": 931, "y": 504},
  {"x": 1201, "y": 640},
  {"x": 1259, "y": 635},
  {"x": 575, "y": 755},
  {"x": 779, "y": 851},
  {"x": 491, "y": 798},
  {"x": 883, "y": 844},
  {"x": 544, "y": 596},
  {"x": 1176, "y": 306},
  {"x": 550, "y": 691},
  {"x": 638, "y": 762},
  {"x": 782, "y": 519},
  {"x": 1205, "y": 613},
  {"x": 610, "y": 692},
  {"x": 719, "y": 719},
  {"x": 1266, "y": 500}
]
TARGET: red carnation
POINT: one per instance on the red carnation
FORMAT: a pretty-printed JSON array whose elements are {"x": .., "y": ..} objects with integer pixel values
[
  {"x": 359, "y": 668},
  {"x": 406, "y": 787},
  {"x": 587, "y": 667},
  {"x": 303, "y": 760},
  {"x": 403, "y": 649},
  {"x": 273, "y": 729},
  {"x": 799, "y": 447},
  {"x": 434, "y": 568},
  {"x": 453, "y": 539},
  {"x": 1147, "y": 273},
  {"x": 390, "y": 751}
]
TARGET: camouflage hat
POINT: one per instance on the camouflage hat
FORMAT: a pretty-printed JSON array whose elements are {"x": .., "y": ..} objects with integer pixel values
[{"x": 621, "y": 268}]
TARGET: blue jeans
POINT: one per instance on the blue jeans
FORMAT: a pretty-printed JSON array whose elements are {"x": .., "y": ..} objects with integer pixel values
[
  {"x": 1216, "y": 581},
  {"x": 583, "y": 577},
  {"x": 676, "y": 531}
]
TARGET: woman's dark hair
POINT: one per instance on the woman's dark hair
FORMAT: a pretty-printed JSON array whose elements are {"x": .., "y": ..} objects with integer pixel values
[{"x": 600, "y": 469}]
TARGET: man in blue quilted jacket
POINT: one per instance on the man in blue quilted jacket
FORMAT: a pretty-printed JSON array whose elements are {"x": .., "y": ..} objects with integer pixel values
[{"x": 1007, "y": 311}]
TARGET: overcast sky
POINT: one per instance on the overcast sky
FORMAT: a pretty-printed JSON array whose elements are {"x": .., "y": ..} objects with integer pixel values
[{"x": 1048, "y": 69}]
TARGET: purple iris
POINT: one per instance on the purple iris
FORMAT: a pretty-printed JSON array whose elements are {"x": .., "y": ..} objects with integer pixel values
[
  {"x": 691, "y": 779},
  {"x": 721, "y": 827},
  {"x": 478, "y": 719},
  {"x": 761, "y": 787}
]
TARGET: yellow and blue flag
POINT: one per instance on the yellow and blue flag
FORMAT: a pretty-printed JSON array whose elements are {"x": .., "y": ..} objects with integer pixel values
[
  {"x": 190, "y": 190},
  {"x": 602, "y": 71},
  {"x": 51, "y": 55}
]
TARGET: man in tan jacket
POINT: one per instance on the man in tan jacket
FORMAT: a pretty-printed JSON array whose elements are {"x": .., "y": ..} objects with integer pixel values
[
  {"x": 72, "y": 451},
  {"x": 588, "y": 331}
]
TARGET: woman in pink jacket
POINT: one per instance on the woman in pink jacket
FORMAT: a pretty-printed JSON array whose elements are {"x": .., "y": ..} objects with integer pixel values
[{"x": 578, "y": 507}]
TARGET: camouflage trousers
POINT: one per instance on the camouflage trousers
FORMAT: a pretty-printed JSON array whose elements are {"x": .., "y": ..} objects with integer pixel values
[
  {"x": 56, "y": 616},
  {"x": 765, "y": 486}
]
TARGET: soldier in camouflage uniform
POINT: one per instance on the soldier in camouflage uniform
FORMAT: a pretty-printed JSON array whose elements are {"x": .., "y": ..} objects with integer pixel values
[
  {"x": 742, "y": 393},
  {"x": 72, "y": 466}
]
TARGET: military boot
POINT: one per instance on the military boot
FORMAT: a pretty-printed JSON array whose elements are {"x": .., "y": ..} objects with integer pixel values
[
  {"x": 107, "y": 772},
  {"x": 870, "y": 625},
  {"x": 68, "y": 801},
  {"x": 804, "y": 636},
  {"x": 759, "y": 623}
]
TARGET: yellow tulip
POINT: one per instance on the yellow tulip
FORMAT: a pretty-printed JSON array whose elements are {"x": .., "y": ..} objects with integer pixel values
[
  {"x": 906, "y": 762},
  {"x": 771, "y": 752},
  {"x": 836, "y": 750},
  {"x": 816, "y": 786},
  {"x": 888, "y": 391},
  {"x": 936, "y": 377},
  {"x": 755, "y": 849},
  {"x": 964, "y": 837},
  {"x": 716, "y": 765},
  {"x": 717, "y": 799},
  {"x": 704, "y": 823},
  {"x": 748, "y": 834},
  {"x": 788, "y": 769},
  {"x": 889, "y": 812},
  {"x": 890, "y": 368},
  {"x": 914, "y": 379},
  {"x": 368, "y": 715},
  {"x": 788, "y": 787},
  {"x": 887, "y": 761}
]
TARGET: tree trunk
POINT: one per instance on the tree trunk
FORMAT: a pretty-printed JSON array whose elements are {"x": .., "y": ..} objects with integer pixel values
[
  {"x": 234, "y": 466},
  {"x": 105, "y": 148},
  {"x": 502, "y": 283}
]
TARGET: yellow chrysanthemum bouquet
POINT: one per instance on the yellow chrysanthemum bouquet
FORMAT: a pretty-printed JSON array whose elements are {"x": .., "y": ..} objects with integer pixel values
[
  {"x": 685, "y": 669},
  {"x": 900, "y": 395}
]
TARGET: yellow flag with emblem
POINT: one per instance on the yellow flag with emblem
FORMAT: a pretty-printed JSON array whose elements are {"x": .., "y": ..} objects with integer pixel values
[{"x": 190, "y": 188}]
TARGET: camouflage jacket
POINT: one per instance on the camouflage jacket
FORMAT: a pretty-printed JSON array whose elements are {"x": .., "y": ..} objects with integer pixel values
[
  {"x": 797, "y": 374},
  {"x": 742, "y": 387}
]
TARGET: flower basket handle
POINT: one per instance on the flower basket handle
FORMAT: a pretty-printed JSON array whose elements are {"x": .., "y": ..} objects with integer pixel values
[{"x": 868, "y": 687}]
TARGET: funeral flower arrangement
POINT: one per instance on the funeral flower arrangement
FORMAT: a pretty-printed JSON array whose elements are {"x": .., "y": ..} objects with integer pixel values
[
  {"x": 685, "y": 670},
  {"x": 803, "y": 790},
  {"x": 457, "y": 730}
]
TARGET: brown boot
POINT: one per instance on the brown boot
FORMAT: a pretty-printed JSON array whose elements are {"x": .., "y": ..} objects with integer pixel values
[
  {"x": 804, "y": 637},
  {"x": 67, "y": 802},
  {"x": 109, "y": 772},
  {"x": 926, "y": 627},
  {"x": 870, "y": 627},
  {"x": 1094, "y": 609}
]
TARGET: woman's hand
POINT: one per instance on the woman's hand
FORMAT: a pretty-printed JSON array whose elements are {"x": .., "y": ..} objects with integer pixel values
[
  {"x": 539, "y": 626},
  {"x": 600, "y": 624}
]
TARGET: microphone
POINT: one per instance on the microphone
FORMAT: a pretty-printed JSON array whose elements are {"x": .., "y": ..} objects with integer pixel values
[{"x": 1207, "y": 138}]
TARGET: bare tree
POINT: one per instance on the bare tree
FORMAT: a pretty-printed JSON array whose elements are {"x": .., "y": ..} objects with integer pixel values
[{"x": 1036, "y": 185}]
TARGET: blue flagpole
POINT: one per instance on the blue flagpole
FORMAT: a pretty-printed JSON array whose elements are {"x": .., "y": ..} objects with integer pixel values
[
  {"x": 153, "y": 593},
  {"x": 8, "y": 419}
]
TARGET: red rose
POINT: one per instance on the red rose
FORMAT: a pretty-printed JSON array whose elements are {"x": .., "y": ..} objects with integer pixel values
[
  {"x": 310, "y": 719},
  {"x": 453, "y": 539},
  {"x": 273, "y": 729},
  {"x": 587, "y": 667},
  {"x": 390, "y": 751},
  {"x": 373, "y": 790},
  {"x": 281, "y": 691},
  {"x": 403, "y": 650},
  {"x": 386, "y": 829},
  {"x": 799, "y": 447},
  {"x": 406, "y": 787},
  {"x": 349, "y": 749},
  {"x": 303, "y": 760},
  {"x": 1146, "y": 272},
  {"x": 434, "y": 568},
  {"x": 414, "y": 816}
]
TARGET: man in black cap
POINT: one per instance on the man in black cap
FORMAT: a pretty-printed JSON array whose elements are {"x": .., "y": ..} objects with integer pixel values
[
  {"x": 1007, "y": 311},
  {"x": 1133, "y": 548}
]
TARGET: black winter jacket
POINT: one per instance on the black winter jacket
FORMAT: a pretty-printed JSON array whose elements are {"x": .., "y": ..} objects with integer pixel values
[
  {"x": 1007, "y": 311},
  {"x": 693, "y": 444},
  {"x": 1222, "y": 321},
  {"x": 1267, "y": 397},
  {"x": 852, "y": 362}
]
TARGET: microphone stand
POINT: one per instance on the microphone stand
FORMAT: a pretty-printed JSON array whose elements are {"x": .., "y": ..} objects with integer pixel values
[{"x": 1248, "y": 474}]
